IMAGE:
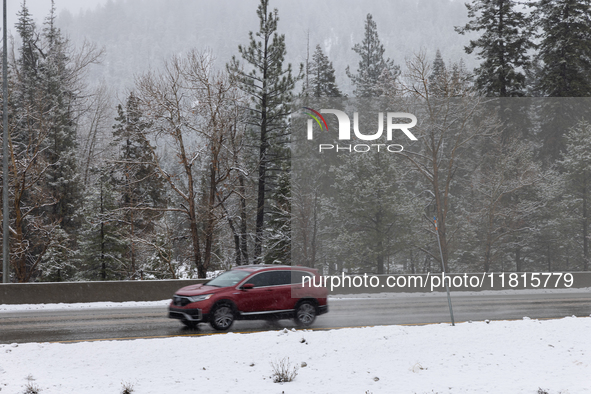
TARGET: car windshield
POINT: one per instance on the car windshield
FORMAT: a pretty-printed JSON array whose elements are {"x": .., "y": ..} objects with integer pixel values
[{"x": 228, "y": 278}]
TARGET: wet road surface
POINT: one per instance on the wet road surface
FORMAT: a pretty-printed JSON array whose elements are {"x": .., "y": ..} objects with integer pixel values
[{"x": 148, "y": 322}]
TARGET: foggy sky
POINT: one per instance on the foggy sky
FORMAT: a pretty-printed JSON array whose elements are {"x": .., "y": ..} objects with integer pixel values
[{"x": 40, "y": 9}]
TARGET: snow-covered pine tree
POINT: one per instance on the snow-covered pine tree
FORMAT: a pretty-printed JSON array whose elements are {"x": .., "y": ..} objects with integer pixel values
[
  {"x": 438, "y": 78},
  {"x": 45, "y": 197},
  {"x": 270, "y": 86},
  {"x": 321, "y": 78},
  {"x": 565, "y": 56},
  {"x": 34, "y": 232},
  {"x": 503, "y": 45},
  {"x": 505, "y": 38},
  {"x": 279, "y": 226},
  {"x": 565, "y": 47},
  {"x": 103, "y": 241},
  {"x": 506, "y": 199},
  {"x": 368, "y": 213},
  {"x": 141, "y": 190},
  {"x": 60, "y": 95},
  {"x": 24, "y": 98},
  {"x": 372, "y": 67},
  {"x": 576, "y": 164}
]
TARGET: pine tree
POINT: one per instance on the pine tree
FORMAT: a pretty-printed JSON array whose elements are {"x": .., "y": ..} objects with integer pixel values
[
  {"x": 505, "y": 38},
  {"x": 564, "y": 54},
  {"x": 369, "y": 212},
  {"x": 372, "y": 67},
  {"x": 27, "y": 82},
  {"x": 321, "y": 78},
  {"x": 438, "y": 78},
  {"x": 34, "y": 233},
  {"x": 565, "y": 47},
  {"x": 507, "y": 197},
  {"x": 103, "y": 242},
  {"x": 60, "y": 101},
  {"x": 279, "y": 238},
  {"x": 45, "y": 194},
  {"x": 270, "y": 87},
  {"x": 576, "y": 164},
  {"x": 140, "y": 190},
  {"x": 502, "y": 46},
  {"x": 444, "y": 81}
]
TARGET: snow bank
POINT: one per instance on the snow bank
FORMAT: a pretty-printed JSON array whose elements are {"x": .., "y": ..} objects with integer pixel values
[{"x": 496, "y": 357}]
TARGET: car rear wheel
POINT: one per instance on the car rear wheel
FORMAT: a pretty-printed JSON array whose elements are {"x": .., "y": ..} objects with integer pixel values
[
  {"x": 222, "y": 317},
  {"x": 305, "y": 314}
]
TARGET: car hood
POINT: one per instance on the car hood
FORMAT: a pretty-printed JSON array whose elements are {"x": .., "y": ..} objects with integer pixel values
[{"x": 194, "y": 290}]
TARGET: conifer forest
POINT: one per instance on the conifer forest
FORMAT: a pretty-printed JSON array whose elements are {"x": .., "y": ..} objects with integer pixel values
[{"x": 133, "y": 158}]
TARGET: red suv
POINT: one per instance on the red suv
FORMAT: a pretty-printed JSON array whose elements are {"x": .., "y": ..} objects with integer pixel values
[{"x": 252, "y": 292}]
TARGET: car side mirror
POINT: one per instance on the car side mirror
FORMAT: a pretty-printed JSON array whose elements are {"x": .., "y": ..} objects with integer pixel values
[{"x": 247, "y": 286}]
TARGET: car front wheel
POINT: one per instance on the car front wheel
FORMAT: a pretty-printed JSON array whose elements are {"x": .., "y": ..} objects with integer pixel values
[
  {"x": 305, "y": 314},
  {"x": 222, "y": 317}
]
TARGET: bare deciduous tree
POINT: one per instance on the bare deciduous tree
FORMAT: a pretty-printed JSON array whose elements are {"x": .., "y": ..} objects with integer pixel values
[
  {"x": 446, "y": 132},
  {"x": 193, "y": 109}
]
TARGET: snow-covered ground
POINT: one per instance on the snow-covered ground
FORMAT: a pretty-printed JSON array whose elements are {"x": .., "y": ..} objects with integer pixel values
[{"x": 499, "y": 357}]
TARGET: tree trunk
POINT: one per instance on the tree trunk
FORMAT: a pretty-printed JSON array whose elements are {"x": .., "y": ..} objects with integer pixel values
[
  {"x": 441, "y": 210},
  {"x": 243, "y": 224},
  {"x": 489, "y": 242},
  {"x": 260, "y": 218},
  {"x": 314, "y": 231},
  {"x": 380, "y": 243},
  {"x": 201, "y": 270},
  {"x": 132, "y": 247},
  {"x": 518, "y": 267},
  {"x": 102, "y": 235},
  {"x": 210, "y": 223},
  {"x": 585, "y": 230}
]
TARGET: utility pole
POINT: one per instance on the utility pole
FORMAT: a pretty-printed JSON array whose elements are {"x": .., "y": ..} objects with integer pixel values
[{"x": 5, "y": 211}]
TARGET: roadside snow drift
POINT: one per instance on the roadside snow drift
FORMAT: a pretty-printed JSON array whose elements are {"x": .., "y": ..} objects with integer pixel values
[{"x": 496, "y": 357}]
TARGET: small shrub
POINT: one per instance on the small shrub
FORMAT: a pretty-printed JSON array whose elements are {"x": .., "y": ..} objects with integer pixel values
[
  {"x": 127, "y": 388},
  {"x": 31, "y": 388},
  {"x": 283, "y": 371}
]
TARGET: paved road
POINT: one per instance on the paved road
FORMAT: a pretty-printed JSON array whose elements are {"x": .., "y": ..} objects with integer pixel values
[{"x": 141, "y": 322}]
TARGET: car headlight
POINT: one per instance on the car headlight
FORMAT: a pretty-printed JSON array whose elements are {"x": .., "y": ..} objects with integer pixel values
[{"x": 202, "y": 297}]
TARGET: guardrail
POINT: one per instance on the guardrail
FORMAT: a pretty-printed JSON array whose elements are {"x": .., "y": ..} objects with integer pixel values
[
  {"x": 410, "y": 283},
  {"x": 154, "y": 290},
  {"x": 71, "y": 292}
]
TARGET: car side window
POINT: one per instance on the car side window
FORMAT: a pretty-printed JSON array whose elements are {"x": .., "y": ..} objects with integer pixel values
[
  {"x": 271, "y": 278},
  {"x": 297, "y": 277},
  {"x": 262, "y": 279},
  {"x": 282, "y": 277}
]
